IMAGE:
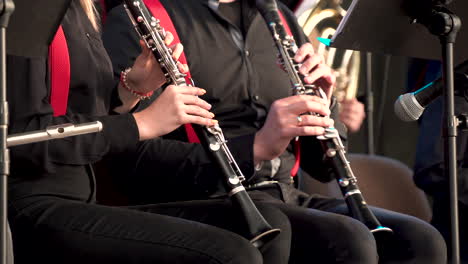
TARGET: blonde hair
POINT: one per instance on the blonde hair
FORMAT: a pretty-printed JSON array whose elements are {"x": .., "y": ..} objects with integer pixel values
[{"x": 91, "y": 12}]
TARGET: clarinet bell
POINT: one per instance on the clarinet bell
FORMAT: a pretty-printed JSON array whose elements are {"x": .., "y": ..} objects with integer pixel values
[{"x": 264, "y": 238}]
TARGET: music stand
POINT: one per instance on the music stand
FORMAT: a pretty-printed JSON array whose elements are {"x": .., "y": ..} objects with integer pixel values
[
  {"x": 32, "y": 28},
  {"x": 384, "y": 27}
]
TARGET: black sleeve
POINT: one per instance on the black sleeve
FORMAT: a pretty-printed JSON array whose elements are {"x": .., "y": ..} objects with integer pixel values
[
  {"x": 110, "y": 4},
  {"x": 187, "y": 164},
  {"x": 296, "y": 30},
  {"x": 120, "y": 40},
  {"x": 28, "y": 97},
  {"x": 169, "y": 170}
]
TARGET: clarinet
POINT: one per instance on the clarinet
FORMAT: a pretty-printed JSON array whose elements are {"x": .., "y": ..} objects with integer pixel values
[
  {"x": 259, "y": 231},
  {"x": 334, "y": 150}
]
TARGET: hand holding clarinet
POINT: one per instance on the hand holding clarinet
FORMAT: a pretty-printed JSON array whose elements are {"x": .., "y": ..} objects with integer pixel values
[{"x": 303, "y": 84}]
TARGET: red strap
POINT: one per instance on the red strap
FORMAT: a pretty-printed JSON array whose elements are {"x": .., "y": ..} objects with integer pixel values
[
  {"x": 297, "y": 143},
  {"x": 103, "y": 10},
  {"x": 59, "y": 63},
  {"x": 156, "y": 7},
  {"x": 297, "y": 153},
  {"x": 285, "y": 23}
]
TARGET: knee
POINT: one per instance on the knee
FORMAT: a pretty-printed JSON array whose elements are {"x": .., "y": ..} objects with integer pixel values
[
  {"x": 425, "y": 241},
  {"x": 279, "y": 246},
  {"x": 356, "y": 242},
  {"x": 244, "y": 252},
  {"x": 230, "y": 249}
]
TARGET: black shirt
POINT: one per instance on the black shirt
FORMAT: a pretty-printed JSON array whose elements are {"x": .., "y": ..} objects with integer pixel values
[
  {"x": 239, "y": 71},
  {"x": 232, "y": 11},
  {"x": 60, "y": 168}
]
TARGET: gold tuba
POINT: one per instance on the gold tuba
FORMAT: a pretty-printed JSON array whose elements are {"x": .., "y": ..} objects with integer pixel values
[{"x": 322, "y": 21}]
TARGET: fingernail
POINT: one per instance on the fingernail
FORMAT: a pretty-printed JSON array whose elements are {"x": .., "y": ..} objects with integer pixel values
[
  {"x": 212, "y": 115},
  {"x": 214, "y": 121},
  {"x": 202, "y": 91}
]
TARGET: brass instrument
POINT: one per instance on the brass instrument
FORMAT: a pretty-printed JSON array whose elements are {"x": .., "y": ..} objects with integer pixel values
[{"x": 322, "y": 21}]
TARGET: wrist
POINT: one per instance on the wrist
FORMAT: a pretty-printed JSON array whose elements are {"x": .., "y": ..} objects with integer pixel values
[
  {"x": 260, "y": 152},
  {"x": 129, "y": 87},
  {"x": 141, "y": 125}
]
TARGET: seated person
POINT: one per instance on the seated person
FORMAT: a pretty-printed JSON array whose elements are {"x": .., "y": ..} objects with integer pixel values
[
  {"x": 231, "y": 54},
  {"x": 52, "y": 209}
]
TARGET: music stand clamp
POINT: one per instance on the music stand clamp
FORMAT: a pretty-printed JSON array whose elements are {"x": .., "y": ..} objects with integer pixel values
[
  {"x": 463, "y": 122},
  {"x": 7, "y": 7},
  {"x": 443, "y": 23}
]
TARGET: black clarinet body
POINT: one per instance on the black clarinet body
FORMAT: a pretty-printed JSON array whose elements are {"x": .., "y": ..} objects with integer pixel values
[
  {"x": 334, "y": 150},
  {"x": 259, "y": 231}
]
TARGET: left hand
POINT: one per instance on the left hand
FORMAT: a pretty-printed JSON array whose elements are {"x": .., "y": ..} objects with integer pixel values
[
  {"x": 352, "y": 114},
  {"x": 146, "y": 74},
  {"x": 315, "y": 69}
]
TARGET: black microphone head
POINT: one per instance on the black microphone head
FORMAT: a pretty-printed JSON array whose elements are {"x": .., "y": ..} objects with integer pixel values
[{"x": 407, "y": 108}]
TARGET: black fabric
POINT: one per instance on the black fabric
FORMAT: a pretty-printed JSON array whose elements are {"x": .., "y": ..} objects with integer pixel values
[
  {"x": 45, "y": 168},
  {"x": 428, "y": 168},
  {"x": 52, "y": 187},
  {"x": 232, "y": 12},
  {"x": 441, "y": 219},
  {"x": 73, "y": 232},
  {"x": 430, "y": 176},
  {"x": 112, "y": 3},
  {"x": 242, "y": 80},
  {"x": 239, "y": 82}
]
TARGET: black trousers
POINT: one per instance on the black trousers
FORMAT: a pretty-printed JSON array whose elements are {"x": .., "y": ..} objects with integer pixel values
[
  {"x": 441, "y": 219},
  {"x": 322, "y": 232},
  {"x": 50, "y": 230}
]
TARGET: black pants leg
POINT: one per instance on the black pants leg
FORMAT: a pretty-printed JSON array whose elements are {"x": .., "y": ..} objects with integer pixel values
[
  {"x": 414, "y": 241},
  {"x": 441, "y": 220},
  {"x": 327, "y": 238},
  {"x": 63, "y": 231}
]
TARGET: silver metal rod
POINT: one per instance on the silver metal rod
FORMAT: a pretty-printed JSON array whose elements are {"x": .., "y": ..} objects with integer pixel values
[{"x": 54, "y": 132}]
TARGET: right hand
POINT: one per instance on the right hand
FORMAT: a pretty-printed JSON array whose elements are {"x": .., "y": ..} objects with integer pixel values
[
  {"x": 176, "y": 106},
  {"x": 282, "y": 124}
]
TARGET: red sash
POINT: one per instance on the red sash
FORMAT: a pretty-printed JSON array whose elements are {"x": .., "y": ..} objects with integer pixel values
[
  {"x": 59, "y": 65},
  {"x": 156, "y": 7},
  {"x": 297, "y": 143},
  {"x": 103, "y": 11}
]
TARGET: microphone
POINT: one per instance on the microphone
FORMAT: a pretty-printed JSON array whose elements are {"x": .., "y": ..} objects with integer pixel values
[{"x": 410, "y": 106}]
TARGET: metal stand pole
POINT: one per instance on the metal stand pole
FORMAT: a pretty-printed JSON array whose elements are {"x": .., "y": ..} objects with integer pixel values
[
  {"x": 369, "y": 106},
  {"x": 442, "y": 23},
  {"x": 7, "y": 7}
]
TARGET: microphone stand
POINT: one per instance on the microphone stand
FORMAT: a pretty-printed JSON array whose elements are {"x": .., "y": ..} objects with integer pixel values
[
  {"x": 442, "y": 23},
  {"x": 6, "y": 7},
  {"x": 369, "y": 106}
]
